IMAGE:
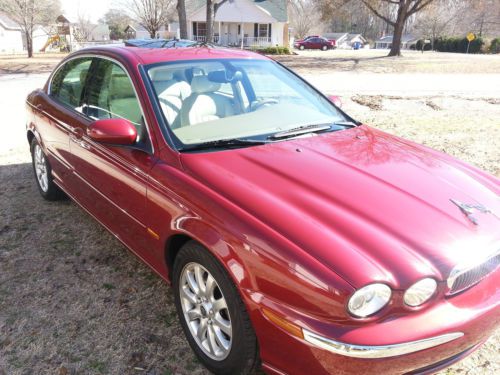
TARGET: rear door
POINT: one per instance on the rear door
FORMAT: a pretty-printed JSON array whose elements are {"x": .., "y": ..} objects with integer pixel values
[{"x": 113, "y": 179}]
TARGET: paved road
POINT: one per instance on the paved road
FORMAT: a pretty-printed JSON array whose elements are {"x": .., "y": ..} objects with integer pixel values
[{"x": 13, "y": 91}]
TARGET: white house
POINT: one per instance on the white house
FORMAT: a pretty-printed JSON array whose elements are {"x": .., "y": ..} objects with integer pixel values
[
  {"x": 386, "y": 42},
  {"x": 249, "y": 23},
  {"x": 345, "y": 40},
  {"x": 137, "y": 31},
  {"x": 11, "y": 37}
]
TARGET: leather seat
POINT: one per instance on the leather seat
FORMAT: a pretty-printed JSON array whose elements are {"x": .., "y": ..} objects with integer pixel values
[
  {"x": 204, "y": 104},
  {"x": 171, "y": 93}
]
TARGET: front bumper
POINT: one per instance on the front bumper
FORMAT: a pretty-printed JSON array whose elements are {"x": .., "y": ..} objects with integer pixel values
[{"x": 389, "y": 346}]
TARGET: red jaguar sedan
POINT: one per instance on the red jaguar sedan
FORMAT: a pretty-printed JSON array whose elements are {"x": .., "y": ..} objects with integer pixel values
[{"x": 294, "y": 237}]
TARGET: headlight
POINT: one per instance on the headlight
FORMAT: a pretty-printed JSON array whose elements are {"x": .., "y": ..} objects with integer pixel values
[
  {"x": 420, "y": 292},
  {"x": 369, "y": 299}
]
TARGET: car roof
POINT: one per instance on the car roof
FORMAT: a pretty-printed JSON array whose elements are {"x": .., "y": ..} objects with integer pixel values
[{"x": 146, "y": 56}]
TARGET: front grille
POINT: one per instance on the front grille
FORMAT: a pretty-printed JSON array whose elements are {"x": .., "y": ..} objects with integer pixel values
[{"x": 461, "y": 280}]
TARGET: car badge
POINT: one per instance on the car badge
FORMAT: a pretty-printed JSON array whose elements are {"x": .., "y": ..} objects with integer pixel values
[{"x": 468, "y": 210}]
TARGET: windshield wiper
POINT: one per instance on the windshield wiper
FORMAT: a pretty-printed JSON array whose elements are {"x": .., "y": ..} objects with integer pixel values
[
  {"x": 223, "y": 143},
  {"x": 347, "y": 124},
  {"x": 300, "y": 130}
]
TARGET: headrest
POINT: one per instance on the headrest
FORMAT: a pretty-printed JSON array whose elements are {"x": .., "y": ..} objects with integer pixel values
[
  {"x": 162, "y": 75},
  {"x": 223, "y": 76},
  {"x": 201, "y": 85}
]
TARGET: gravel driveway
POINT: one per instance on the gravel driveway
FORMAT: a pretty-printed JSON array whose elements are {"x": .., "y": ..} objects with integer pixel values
[{"x": 74, "y": 301}]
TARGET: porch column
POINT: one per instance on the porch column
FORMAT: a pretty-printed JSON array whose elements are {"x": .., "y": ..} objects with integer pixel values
[
  {"x": 242, "y": 34},
  {"x": 220, "y": 36}
]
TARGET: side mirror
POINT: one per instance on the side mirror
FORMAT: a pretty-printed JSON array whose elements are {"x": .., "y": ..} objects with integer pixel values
[
  {"x": 335, "y": 100},
  {"x": 116, "y": 131}
]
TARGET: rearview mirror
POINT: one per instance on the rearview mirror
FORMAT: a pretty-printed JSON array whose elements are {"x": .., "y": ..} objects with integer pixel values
[
  {"x": 335, "y": 100},
  {"x": 116, "y": 131}
]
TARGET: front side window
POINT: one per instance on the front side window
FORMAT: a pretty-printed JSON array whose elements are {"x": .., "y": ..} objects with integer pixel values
[
  {"x": 212, "y": 100},
  {"x": 111, "y": 95},
  {"x": 67, "y": 85}
]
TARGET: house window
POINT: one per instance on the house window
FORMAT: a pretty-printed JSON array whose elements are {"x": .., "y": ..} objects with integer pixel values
[
  {"x": 263, "y": 30},
  {"x": 200, "y": 28}
]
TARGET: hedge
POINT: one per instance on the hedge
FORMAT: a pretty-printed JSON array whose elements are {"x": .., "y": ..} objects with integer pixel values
[
  {"x": 277, "y": 50},
  {"x": 458, "y": 45}
]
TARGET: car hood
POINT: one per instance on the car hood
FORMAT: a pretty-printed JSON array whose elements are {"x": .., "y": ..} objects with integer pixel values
[{"x": 369, "y": 205}]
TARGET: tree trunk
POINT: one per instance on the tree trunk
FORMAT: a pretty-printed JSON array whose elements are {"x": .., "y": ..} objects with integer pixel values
[
  {"x": 29, "y": 44},
  {"x": 398, "y": 31},
  {"x": 152, "y": 33},
  {"x": 210, "y": 23},
  {"x": 181, "y": 12}
]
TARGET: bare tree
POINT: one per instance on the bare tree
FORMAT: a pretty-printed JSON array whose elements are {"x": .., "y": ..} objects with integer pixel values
[
  {"x": 437, "y": 20},
  {"x": 30, "y": 14},
  {"x": 400, "y": 10},
  {"x": 117, "y": 20},
  {"x": 152, "y": 14},
  {"x": 302, "y": 20},
  {"x": 83, "y": 28}
]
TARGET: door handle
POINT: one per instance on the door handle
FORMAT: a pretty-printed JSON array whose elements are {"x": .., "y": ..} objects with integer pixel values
[{"x": 77, "y": 133}]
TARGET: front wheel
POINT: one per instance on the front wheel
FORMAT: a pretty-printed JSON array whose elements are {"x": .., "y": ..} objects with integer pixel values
[
  {"x": 212, "y": 314},
  {"x": 43, "y": 173}
]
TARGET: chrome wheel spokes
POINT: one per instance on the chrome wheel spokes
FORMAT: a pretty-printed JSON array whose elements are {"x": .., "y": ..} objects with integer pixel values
[
  {"x": 41, "y": 168},
  {"x": 205, "y": 310}
]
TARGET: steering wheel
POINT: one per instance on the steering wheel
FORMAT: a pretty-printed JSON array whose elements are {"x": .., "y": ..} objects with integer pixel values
[{"x": 255, "y": 105}]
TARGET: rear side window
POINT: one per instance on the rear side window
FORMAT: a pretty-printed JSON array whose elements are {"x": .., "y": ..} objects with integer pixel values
[{"x": 68, "y": 83}]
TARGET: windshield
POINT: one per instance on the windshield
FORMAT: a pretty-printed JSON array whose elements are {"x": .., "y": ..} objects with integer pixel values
[{"x": 213, "y": 100}]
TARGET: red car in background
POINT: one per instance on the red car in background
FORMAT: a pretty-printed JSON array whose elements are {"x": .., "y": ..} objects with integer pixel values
[
  {"x": 294, "y": 237},
  {"x": 314, "y": 42}
]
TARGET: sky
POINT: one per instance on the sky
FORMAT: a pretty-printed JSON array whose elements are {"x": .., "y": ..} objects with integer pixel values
[{"x": 94, "y": 9}]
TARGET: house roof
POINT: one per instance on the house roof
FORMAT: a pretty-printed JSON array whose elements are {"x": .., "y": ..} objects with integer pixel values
[
  {"x": 139, "y": 27},
  {"x": 404, "y": 39},
  {"x": 336, "y": 36},
  {"x": 8, "y": 23},
  {"x": 276, "y": 8}
]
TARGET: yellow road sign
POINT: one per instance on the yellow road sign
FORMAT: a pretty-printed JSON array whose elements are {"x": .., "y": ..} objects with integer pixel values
[{"x": 470, "y": 37}]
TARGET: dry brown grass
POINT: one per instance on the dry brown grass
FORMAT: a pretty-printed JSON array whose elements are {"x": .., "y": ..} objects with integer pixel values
[
  {"x": 40, "y": 63},
  {"x": 74, "y": 301}
]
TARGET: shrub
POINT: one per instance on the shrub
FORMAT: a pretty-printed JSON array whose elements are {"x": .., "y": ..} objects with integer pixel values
[{"x": 495, "y": 46}]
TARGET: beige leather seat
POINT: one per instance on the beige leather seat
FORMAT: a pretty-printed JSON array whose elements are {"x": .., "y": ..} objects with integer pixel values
[
  {"x": 171, "y": 92},
  {"x": 204, "y": 104}
]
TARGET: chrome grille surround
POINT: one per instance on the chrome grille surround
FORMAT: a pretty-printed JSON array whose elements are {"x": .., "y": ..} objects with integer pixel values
[{"x": 462, "y": 278}]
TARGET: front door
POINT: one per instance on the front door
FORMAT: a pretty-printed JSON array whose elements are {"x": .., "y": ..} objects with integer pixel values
[{"x": 113, "y": 179}]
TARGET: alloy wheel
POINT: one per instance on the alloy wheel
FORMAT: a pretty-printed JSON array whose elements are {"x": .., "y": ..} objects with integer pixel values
[
  {"x": 205, "y": 311},
  {"x": 41, "y": 168}
]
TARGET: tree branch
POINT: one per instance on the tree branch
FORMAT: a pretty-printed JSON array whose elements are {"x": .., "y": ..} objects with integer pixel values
[{"x": 377, "y": 13}]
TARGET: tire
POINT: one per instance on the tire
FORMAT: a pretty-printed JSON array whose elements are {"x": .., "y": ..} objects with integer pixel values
[
  {"x": 302, "y": 48},
  {"x": 43, "y": 173},
  {"x": 324, "y": 48},
  {"x": 234, "y": 350}
]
